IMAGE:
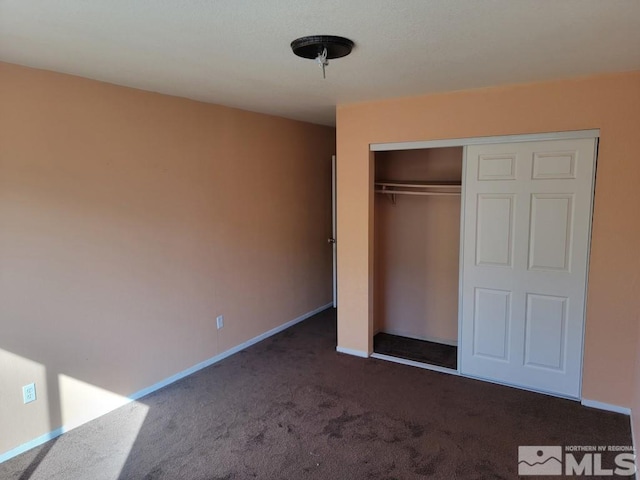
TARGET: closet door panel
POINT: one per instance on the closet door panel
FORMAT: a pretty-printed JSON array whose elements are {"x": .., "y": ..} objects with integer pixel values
[
  {"x": 526, "y": 233},
  {"x": 545, "y": 326},
  {"x": 550, "y": 231},
  {"x": 494, "y": 230},
  {"x": 492, "y": 317},
  {"x": 497, "y": 167}
]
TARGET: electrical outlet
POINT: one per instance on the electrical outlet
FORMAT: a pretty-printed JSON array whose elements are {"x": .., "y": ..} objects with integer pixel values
[
  {"x": 29, "y": 393},
  {"x": 220, "y": 321}
]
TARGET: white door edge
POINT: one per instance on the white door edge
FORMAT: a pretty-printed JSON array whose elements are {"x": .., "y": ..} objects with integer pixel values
[
  {"x": 460, "y": 262},
  {"x": 586, "y": 280}
]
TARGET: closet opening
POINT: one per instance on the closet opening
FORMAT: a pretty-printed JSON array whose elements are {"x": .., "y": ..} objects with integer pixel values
[{"x": 417, "y": 253}]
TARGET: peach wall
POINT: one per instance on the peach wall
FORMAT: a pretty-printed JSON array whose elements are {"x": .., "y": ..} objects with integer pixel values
[
  {"x": 128, "y": 221},
  {"x": 610, "y": 103},
  {"x": 417, "y": 248}
]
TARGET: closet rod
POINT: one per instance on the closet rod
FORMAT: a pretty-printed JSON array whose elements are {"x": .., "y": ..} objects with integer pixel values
[
  {"x": 411, "y": 192},
  {"x": 387, "y": 184}
]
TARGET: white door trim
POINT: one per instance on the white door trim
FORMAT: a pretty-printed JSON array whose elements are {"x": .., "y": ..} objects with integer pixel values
[
  {"x": 411, "y": 363},
  {"x": 586, "y": 281},
  {"x": 463, "y": 195},
  {"x": 461, "y": 142}
]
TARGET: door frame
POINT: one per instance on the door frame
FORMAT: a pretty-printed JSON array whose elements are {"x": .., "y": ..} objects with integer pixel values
[
  {"x": 518, "y": 138},
  {"x": 334, "y": 227}
]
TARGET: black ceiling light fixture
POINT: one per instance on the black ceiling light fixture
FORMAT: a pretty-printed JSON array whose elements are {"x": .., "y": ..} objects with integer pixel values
[{"x": 322, "y": 48}]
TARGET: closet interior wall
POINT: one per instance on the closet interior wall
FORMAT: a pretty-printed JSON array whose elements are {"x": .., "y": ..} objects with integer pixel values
[{"x": 417, "y": 248}]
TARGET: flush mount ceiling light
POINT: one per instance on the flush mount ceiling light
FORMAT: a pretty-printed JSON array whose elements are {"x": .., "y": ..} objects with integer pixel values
[{"x": 322, "y": 48}]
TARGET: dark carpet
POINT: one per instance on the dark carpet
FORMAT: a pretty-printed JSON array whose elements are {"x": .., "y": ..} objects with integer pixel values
[
  {"x": 417, "y": 350},
  {"x": 291, "y": 407}
]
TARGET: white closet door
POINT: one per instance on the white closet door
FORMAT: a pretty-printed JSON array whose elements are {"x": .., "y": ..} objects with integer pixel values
[{"x": 527, "y": 224}]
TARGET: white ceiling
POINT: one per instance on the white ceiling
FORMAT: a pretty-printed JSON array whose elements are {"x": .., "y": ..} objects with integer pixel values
[{"x": 236, "y": 52}]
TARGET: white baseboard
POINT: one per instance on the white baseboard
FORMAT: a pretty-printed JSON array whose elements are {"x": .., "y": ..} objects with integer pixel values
[
  {"x": 167, "y": 381},
  {"x": 33, "y": 443},
  {"x": 351, "y": 351},
  {"x": 606, "y": 406},
  {"x": 633, "y": 440},
  {"x": 633, "y": 433},
  {"x": 411, "y": 363},
  {"x": 617, "y": 409}
]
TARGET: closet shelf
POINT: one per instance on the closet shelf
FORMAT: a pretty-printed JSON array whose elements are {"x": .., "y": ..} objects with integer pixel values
[{"x": 395, "y": 187}]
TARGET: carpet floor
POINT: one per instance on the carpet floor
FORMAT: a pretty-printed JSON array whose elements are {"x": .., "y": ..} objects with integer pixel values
[
  {"x": 291, "y": 407},
  {"x": 417, "y": 350}
]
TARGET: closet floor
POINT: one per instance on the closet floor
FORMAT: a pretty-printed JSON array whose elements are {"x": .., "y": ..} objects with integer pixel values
[{"x": 417, "y": 350}]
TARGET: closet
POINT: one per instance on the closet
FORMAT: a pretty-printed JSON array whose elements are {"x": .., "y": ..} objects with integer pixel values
[
  {"x": 417, "y": 250},
  {"x": 481, "y": 252}
]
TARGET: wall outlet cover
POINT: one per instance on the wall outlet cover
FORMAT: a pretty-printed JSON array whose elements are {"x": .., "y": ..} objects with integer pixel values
[{"x": 29, "y": 393}]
